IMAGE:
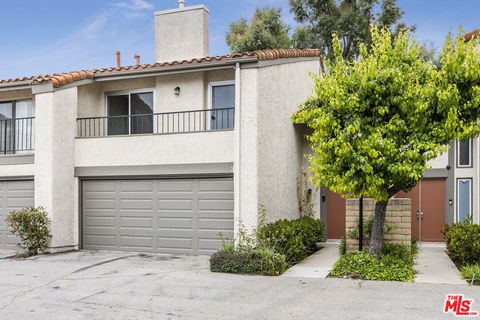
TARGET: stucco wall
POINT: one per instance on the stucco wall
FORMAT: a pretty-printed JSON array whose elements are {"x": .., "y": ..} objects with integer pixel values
[
  {"x": 193, "y": 91},
  {"x": 181, "y": 33},
  {"x": 17, "y": 170},
  {"x": 54, "y": 157},
  {"x": 439, "y": 162},
  {"x": 202, "y": 147},
  {"x": 281, "y": 89}
]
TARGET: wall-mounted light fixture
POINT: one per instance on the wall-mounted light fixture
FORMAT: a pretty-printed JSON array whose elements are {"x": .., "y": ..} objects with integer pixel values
[
  {"x": 450, "y": 201},
  {"x": 177, "y": 91}
]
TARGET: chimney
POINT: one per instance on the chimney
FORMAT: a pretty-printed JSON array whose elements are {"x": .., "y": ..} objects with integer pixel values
[
  {"x": 137, "y": 59},
  {"x": 119, "y": 63},
  {"x": 182, "y": 33}
]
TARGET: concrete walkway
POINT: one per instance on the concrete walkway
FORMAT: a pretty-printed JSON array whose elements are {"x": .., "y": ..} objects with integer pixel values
[
  {"x": 434, "y": 266},
  {"x": 317, "y": 265}
]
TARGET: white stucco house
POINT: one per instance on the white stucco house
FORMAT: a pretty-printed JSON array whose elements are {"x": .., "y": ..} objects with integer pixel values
[
  {"x": 157, "y": 157},
  {"x": 165, "y": 157}
]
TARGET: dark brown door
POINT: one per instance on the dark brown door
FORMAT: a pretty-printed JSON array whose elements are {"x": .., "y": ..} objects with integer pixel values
[
  {"x": 335, "y": 215},
  {"x": 428, "y": 209}
]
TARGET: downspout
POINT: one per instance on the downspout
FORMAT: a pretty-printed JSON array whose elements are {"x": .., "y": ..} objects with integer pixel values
[{"x": 237, "y": 149}]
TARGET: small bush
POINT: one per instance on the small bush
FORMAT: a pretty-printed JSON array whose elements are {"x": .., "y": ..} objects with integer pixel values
[
  {"x": 362, "y": 265},
  {"x": 262, "y": 261},
  {"x": 463, "y": 242},
  {"x": 31, "y": 226},
  {"x": 398, "y": 251},
  {"x": 471, "y": 273},
  {"x": 342, "y": 247},
  {"x": 295, "y": 239}
]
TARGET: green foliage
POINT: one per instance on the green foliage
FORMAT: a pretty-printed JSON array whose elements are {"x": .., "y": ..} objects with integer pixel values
[
  {"x": 463, "y": 242},
  {"x": 262, "y": 261},
  {"x": 378, "y": 120},
  {"x": 31, "y": 226},
  {"x": 471, "y": 273},
  {"x": 367, "y": 229},
  {"x": 266, "y": 31},
  {"x": 351, "y": 20},
  {"x": 399, "y": 251},
  {"x": 414, "y": 246},
  {"x": 295, "y": 239},
  {"x": 362, "y": 265},
  {"x": 342, "y": 248}
]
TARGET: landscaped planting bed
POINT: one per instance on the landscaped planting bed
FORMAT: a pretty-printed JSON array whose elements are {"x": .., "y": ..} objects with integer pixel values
[
  {"x": 463, "y": 245},
  {"x": 395, "y": 264},
  {"x": 271, "y": 249}
]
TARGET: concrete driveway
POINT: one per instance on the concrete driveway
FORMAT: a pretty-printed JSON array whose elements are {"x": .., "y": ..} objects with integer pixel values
[{"x": 106, "y": 285}]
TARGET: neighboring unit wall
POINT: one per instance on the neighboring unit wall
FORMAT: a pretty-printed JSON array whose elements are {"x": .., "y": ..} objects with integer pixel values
[
  {"x": 55, "y": 187},
  {"x": 281, "y": 89},
  {"x": 472, "y": 173}
]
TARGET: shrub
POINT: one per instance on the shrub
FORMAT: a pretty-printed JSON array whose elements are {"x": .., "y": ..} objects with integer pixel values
[
  {"x": 365, "y": 266},
  {"x": 31, "y": 226},
  {"x": 261, "y": 261},
  {"x": 367, "y": 230},
  {"x": 471, "y": 273},
  {"x": 463, "y": 242},
  {"x": 295, "y": 239},
  {"x": 399, "y": 251}
]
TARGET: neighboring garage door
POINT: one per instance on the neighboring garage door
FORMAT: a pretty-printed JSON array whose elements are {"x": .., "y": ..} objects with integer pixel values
[
  {"x": 165, "y": 215},
  {"x": 13, "y": 195}
]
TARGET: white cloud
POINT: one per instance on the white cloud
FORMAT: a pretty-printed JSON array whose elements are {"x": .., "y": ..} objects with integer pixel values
[{"x": 136, "y": 5}]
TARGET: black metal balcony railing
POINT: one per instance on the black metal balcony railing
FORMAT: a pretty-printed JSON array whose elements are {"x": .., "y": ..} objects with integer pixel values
[
  {"x": 157, "y": 123},
  {"x": 16, "y": 135}
]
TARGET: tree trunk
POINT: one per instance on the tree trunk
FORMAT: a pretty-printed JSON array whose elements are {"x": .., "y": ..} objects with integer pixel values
[{"x": 378, "y": 228}]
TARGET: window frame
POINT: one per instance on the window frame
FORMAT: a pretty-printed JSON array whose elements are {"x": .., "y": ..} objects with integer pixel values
[
  {"x": 470, "y": 153},
  {"x": 129, "y": 93},
  {"x": 212, "y": 84},
  {"x": 457, "y": 213}
]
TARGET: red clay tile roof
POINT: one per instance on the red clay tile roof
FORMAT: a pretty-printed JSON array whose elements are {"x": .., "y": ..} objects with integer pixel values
[
  {"x": 472, "y": 34},
  {"x": 61, "y": 79}
]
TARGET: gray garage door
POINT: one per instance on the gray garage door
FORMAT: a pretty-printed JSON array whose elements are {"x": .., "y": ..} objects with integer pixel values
[
  {"x": 167, "y": 215},
  {"x": 13, "y": 195}
]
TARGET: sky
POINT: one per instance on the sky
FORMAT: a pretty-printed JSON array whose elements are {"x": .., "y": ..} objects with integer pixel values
[{"x": 40, "y": 37}]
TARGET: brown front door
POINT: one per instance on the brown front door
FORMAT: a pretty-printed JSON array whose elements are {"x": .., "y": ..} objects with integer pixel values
[
  {"x": 428, "y": 209},
  {"x": 335, "y": 215}
]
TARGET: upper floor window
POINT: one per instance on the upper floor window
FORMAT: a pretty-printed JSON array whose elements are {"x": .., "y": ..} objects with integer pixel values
[
  {"x": 464, "y": 153},
  {"x": 222, "y": 101},
  {"x": 130, "y": 113},
  {"x": 16, "y": 126}
]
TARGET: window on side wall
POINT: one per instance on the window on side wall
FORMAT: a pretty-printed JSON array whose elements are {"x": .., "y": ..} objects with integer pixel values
[
  {"x": 464, "y": 199},
  {"x": 464, "y": 153},
  {"x": 130, "y": 113}
]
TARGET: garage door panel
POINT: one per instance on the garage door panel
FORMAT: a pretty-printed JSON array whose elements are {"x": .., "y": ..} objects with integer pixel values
[
  {"x": 215, "y": 204},
  {"x": 99, "y": 187},
  {"x": 171, "y": 186},
  {"x": 99, "y": 204},
  {"x": 215, "y": 224},
  {"x": 171, "y": 215},
  {"x": 14, "y": 195},
  {"x": 170, "y": 244},
  {"x": 100, "y": 221},
  {"x": 173, "y": 223},
  {"x": 136, "y": 222},
  {"x": 175, "y": 204},
  {"x": 20, "y": 202},
  {"x": 136, "y": 204}
]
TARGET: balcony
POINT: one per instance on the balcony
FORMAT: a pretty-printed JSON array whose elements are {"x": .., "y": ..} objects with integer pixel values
[
  {"x": 17, "y": 135},
  {"x": 192, "y": 121}
]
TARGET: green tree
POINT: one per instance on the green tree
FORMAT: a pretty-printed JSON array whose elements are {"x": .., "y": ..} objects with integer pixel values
[
  {"x": 378, "y": 120},
  {"x": 266, "y": 31},
  {"x": 350, "y": 19}
]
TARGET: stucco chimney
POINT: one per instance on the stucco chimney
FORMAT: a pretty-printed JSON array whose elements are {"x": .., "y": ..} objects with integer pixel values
[
  {"x": 119, "y": 62},
  {"x": 182, "y": 33}
]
